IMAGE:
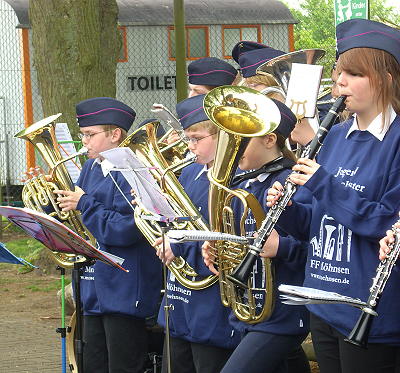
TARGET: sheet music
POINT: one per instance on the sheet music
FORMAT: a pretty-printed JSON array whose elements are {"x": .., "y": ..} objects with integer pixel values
[
  {"x": 299, "y": 295},
  {"x": 147, "y": 191},
  {"x": 303, "y": 89},
  {"x": 55, "y": 235},
  {"x": 63, "y": 134}
]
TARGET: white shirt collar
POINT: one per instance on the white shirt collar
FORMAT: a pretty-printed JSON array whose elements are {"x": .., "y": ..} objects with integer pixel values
[
  {"x": 204, "y": 169},
  {"x": 261, "y": 178},
  {"x": 106, "y": 166},
  {"x": 375, "y": 127}
]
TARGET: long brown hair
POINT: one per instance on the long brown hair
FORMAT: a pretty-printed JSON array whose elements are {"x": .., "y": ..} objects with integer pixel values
[
  {"x": 281, "y": 143},
  {"x": 376, "y": 64}
]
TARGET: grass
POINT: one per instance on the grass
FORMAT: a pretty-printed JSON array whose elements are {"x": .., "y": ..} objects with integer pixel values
[
  {"x": 26, "y": 248},
  {"x": 36, "y": 286}
]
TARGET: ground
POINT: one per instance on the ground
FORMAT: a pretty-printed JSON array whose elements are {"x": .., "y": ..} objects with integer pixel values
[{"x": 29, "y": 316}]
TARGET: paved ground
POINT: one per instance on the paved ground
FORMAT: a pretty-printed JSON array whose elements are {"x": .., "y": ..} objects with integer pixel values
[{"x": 29, "y": 316}]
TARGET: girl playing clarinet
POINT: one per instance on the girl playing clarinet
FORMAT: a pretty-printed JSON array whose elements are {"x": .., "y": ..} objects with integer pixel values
[{"x": 349, "y": 196}]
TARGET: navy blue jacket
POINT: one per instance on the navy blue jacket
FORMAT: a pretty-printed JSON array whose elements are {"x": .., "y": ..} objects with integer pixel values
[
  {"x": 289, "y": 269},
  {"x": 197, "y": 315},
  {"x": 343, "y": 210},
  {"x": 108, "y": 216}
]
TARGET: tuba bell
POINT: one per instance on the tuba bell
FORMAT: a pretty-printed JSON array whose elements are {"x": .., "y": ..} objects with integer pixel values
[
  {"x": 144, "y": 144},
  {"x": 240, "y": 113},
  {"x": 37, "y": 193}
]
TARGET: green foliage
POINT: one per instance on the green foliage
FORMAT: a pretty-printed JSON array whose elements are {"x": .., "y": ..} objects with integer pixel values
[
  {"x": 28, "y": 249},
  {"x": 316, "y": 25}
]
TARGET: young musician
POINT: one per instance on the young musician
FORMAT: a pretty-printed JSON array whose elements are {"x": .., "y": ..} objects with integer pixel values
[
  {"x": 201, "y": 337},
  {"x": 207, "y": 73},
  {"x": 354, "y": 184},
  {"x": 250, "y": 61},
  {"x": 273, "y": 345},
  {"x": 115, "y": 303},
  {"x": 244, "y": 46}
]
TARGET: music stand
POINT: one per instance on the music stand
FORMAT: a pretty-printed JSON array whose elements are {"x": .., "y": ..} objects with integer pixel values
[{"x": 57, "y": 237}]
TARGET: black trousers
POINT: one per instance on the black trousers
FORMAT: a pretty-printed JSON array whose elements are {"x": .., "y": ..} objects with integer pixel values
[
  {"x": 260, "y": 352},
  {"x": 189, "y": 357},
  {"x": 334, "y": 355},
  {"x": 114, "y": 344}
]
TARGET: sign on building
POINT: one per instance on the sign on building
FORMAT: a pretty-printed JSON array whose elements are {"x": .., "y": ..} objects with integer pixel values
[{"x": 348, "y": 9}]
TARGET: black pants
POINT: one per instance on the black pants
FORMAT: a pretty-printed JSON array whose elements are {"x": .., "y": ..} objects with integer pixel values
[
  {"x": 260, "y": 352},
  {"x": 334, "y": 355},
  {"x": 189, "y": 357},
  {"x": 114, "y": 344}
]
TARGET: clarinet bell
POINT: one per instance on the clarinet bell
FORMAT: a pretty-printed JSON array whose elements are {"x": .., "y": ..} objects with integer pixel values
[{"x": 359, "y": 335}]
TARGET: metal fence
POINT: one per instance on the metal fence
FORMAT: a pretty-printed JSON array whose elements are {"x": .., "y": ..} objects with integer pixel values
[{"x": 145, "y": 73}]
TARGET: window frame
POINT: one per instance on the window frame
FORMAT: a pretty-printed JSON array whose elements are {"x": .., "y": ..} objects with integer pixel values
[
  {"x": 240, "y": 27},
  {"x": 207, "y": 36},
  {"x": 122, "y": 30}
]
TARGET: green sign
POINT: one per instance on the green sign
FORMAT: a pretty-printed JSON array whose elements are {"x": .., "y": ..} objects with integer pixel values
[{"x": 348, "y": 9}]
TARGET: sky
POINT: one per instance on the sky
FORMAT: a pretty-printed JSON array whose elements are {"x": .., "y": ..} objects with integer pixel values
[{"x": 295, "y": 3}]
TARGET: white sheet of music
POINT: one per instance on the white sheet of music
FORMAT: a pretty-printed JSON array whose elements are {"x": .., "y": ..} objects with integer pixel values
[
  {"x": 303, "y": 89},
  {"x": 297, "y": 295},
  {"x": 63, "y": 134},
  {"x": 147, "y": 191}
]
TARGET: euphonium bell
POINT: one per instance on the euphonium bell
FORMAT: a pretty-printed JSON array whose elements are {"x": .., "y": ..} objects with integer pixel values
[
  {"x": 37, "y": 193},
  {"x": 240, "y": 113},
  {"x": 144, "y": 144},
  {"x": 280, "y": 67}
]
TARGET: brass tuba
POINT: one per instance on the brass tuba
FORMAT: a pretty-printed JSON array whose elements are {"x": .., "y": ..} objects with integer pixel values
[
  {"x": 144, "y": 144},
  {"x": 37, "y": 193},
  {"x": 240, "y": 113}
]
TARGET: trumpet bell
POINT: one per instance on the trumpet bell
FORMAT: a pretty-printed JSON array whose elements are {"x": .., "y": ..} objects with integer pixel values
[
  {"x": 241, "y": 111},
  {"x": 280, "y": 67}
]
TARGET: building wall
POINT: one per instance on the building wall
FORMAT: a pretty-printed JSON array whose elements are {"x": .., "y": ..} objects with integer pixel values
[{"x": 146, "y": 78}]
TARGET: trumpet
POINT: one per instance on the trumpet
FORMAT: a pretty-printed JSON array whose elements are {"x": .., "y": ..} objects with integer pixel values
[
  {"x": 359, "y": 335},
  {"x": 242, "y": 272}
]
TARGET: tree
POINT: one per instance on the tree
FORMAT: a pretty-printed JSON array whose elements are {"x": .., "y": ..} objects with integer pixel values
[
  {"x": 76, "y": 45},
  {"x": 316, "y": 27}
]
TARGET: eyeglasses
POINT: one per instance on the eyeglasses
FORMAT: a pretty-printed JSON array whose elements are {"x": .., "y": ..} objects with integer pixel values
[
  {"x": 88, "y": 136},
  {"x": 195, "y": 140}
]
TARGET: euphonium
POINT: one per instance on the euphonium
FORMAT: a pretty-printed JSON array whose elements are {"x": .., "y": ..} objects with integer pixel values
[
  {"x": 240, "y": 113},
  {"x": 280, "y": 67},
  {"x": 37, "y": 193},
  {"x": 144, "y": 144}
]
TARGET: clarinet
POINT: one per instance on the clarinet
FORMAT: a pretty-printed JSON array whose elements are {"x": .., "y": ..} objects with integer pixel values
[
  {"x": 242, "y": 272},
  {"x": 359, "y": 335}
]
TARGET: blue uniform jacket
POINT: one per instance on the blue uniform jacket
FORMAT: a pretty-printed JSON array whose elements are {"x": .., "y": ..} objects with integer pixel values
[
  {"x": 343, "y": 210},
  {"x": 108, "y": 216},
  {"x": 288, "y": 265},
  {"x": 197, "y": 315}
]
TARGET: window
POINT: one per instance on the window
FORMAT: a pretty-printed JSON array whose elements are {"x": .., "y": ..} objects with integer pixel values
[
  {"x": 232, "y": 34},
  {"x": 123, "y": 53},
  {"x": 196, "y": 42}
]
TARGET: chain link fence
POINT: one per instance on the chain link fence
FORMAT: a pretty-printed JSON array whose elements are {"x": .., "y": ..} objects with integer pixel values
[{"x": 146, "y": 68}]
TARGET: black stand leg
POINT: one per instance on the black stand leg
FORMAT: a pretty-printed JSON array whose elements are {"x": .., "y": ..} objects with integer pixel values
[
  {"x": 164, "y": 230},
  {"x": 76, "y": 276}
]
